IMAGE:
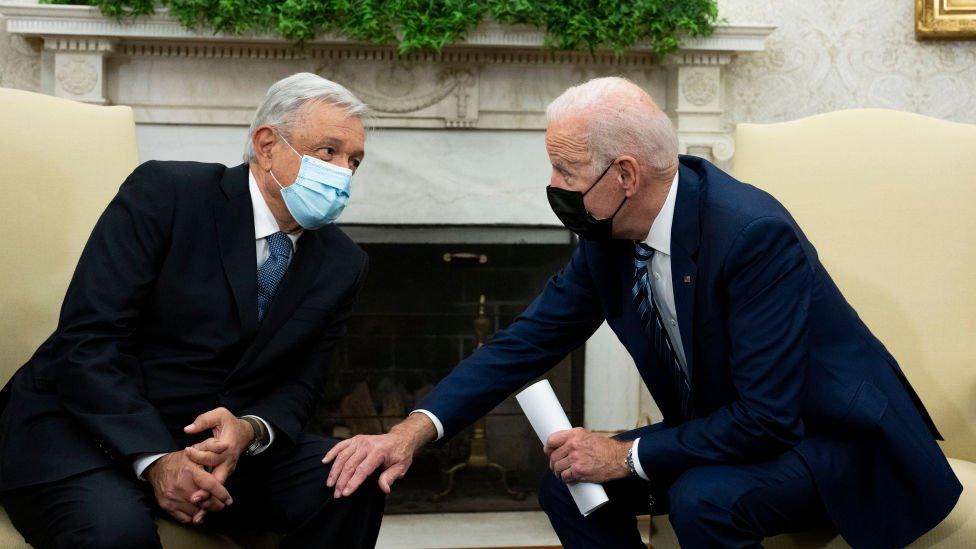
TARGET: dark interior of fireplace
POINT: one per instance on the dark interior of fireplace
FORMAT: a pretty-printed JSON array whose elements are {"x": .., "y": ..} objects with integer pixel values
[{"x": 424, "y": 308}]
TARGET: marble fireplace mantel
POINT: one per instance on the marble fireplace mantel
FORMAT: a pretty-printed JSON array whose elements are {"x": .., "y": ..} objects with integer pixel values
[
  {"x": 498, "y": 78},
  {"x": 458, "y": 139}
]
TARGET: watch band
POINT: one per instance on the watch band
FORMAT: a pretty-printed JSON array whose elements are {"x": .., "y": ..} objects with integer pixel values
[
  {"x": 630, "y": 462},
  {"x": 260, "y": 435},
  {"x": 651, "y": 501}
]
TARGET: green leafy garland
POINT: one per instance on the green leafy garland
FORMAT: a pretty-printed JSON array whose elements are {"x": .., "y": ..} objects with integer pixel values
[{"x": 429, "y": 25}]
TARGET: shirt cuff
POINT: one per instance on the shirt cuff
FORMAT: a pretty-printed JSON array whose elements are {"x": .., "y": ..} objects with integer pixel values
[
  {"x": 142, "y": 462},
  {"x": 271, "y": 435},
  {"x": 635, "y": 457},
  {"x": 435, "y": 421}
]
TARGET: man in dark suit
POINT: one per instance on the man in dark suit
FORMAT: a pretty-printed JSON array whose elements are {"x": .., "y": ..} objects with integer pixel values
[
  {"x": 782, "y": 412},
  {"x": 208, "y": 296}
]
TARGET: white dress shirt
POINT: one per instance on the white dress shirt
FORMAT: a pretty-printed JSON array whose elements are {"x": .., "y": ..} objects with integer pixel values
[
  {"x": 659, "y": 270},
  {"x": 659, "y": 238},
  {"x": 265, "y": 225},
  {"x": 662, "y": 286}
]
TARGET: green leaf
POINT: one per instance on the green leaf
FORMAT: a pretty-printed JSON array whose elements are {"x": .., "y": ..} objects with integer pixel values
[{"x": 431, "y": 25}]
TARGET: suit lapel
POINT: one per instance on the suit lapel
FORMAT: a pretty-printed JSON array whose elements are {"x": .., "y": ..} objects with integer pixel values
[
  {"x": 685, "y": 235},
  {"x": 234, "y": 220},
  {"x": 302, "y": 271},
  {"x": 616, "y": 260}
]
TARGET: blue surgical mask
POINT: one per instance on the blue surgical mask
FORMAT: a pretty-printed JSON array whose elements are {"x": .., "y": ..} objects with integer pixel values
[{"x": 320, "y": 191}]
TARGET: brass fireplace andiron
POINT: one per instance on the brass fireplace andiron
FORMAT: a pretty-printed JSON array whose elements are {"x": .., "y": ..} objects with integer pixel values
[{"x": 478, "y": 456}]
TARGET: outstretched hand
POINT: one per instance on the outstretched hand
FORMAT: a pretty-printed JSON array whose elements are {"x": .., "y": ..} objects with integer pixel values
[{"x": 354, "y": 460}]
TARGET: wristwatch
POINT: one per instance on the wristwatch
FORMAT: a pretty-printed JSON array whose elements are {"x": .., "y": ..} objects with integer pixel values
[
  {"x": 630, "y": 461},
  {"x": 260, "y": 435}
]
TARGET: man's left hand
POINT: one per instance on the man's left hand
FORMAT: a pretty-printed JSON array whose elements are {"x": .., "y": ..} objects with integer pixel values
[
  {"x": 577, "y": 455},
  {"x": 234, "y": 433}
]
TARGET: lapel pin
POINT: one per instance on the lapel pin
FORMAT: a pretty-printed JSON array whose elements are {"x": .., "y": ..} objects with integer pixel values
[{"x": 687, "y": 279}]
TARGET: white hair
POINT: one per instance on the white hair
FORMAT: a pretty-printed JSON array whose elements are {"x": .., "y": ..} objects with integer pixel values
[
  {"x": 620, "y": 119},
  {"x": 287, "y": 97}
]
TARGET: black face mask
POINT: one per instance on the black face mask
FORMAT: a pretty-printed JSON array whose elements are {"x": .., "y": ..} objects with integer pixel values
[{"x": 569, "y": 208}]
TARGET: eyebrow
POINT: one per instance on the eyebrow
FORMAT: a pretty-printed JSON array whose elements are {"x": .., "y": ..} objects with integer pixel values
[
  {"x": 327, "y": 141},
  {"x": 337, "y": 143}
]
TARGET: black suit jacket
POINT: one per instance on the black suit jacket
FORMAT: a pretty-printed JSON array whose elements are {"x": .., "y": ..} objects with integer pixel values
[{"x": 159, "y": 324}]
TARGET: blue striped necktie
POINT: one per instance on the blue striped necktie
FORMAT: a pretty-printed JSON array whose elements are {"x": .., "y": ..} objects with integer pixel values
[
  {"x": 272, "y": 270},
  {"x": 653, "y": 326}
]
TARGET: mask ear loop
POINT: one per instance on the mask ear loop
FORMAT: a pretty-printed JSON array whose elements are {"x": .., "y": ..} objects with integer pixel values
[
  {"x": 622, "y": 202},
  {"x": 282, "y": 136},
  {"x": 598, "y": 179},
  {"x": 290, "y": 147},
  {"x": 275, "y": 179}
]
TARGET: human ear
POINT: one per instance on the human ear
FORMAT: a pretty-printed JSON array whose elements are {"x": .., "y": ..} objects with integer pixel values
[
  {"x": 628, "y": 174},
  {"x": 263, "y": 141}
]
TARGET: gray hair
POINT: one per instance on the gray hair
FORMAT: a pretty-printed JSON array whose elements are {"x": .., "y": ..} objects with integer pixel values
[
  {"x": 620, "y": 119},
  {"x": 287, "y": 97}
]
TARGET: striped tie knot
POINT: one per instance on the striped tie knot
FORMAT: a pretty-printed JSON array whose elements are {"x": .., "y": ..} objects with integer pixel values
[{"x": 643, "y": 252}]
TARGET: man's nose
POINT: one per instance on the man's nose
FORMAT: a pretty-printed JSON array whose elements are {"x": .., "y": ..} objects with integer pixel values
[{"x": 559, "y": 183}]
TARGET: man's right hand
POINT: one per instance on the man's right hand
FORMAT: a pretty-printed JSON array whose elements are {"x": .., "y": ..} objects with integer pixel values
[
  {"x": 175, "y": 478},
  {"x": 355, "y": 459}
]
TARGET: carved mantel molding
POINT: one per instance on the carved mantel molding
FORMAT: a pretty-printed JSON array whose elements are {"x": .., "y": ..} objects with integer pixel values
[{"x": 499, "y": 77}]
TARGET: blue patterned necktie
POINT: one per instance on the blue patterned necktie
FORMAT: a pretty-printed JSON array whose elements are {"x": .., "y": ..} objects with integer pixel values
[
  {"x": 654, "y": 327},
  {"x": 272, "y": 270}
]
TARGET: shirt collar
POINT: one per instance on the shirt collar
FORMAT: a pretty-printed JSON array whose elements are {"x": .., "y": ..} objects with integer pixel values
[
  {"x": 265, "y": 223},
  {"x": 659, "y": 237}
]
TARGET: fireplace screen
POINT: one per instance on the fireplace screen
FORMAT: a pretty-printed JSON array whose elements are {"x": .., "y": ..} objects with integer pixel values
[{"x": 425, "y": 307}]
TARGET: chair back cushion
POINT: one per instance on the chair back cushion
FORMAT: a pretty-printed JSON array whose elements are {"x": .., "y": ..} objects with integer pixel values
[
  {"x": 60, "y": 163},
  {"x": 889, "y": 200}
]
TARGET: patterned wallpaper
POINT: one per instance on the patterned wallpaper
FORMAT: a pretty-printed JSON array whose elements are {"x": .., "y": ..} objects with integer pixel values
[
  {"x": 836, "y": 54},
  {"x": 826, "y": 55}
]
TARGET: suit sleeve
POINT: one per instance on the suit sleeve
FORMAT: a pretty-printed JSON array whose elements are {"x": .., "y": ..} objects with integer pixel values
[
  {"x": 94, "y": 355},
  {"x": 561, "y": 318},
  {"x": 768, "y": 282},
  {"x": 289, "y": 405}
]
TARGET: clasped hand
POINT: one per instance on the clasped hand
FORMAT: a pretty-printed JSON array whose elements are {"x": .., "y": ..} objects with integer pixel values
[
  {"x": 578, "y": 455},
  {"x": 190, "y": 483}
]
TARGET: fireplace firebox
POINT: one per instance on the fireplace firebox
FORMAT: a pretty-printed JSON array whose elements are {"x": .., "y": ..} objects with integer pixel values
[{"x": 433, "y": 294}]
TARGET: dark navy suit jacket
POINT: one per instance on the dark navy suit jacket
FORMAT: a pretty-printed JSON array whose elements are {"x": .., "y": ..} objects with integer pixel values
[
  {"x": 160, "y": 324},
  {"x": 779, "y": 361}
]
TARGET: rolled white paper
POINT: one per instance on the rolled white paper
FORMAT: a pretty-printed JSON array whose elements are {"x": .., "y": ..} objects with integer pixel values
[{"x": 546, "y": 415}]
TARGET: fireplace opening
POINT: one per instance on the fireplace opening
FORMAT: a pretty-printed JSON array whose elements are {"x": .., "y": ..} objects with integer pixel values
[{"x": 433, "y": 294}]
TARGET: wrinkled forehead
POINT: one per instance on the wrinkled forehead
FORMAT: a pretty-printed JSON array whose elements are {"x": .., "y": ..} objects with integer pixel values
[
  {"x": 566, "y": 141},
  {"x": 318, "y": 120},
  {"x": 328, "y": 125}
]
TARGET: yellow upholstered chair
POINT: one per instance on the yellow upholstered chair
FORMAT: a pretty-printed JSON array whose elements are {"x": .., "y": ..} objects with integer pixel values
[
  {"x": 60, "y": 163},
  {"x": 889, "y": 200}
]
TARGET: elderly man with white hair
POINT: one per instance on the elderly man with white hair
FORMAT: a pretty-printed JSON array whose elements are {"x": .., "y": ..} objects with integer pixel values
[
  {"x": 193, "y": 343},
  {"x": 782, "y": 412}
]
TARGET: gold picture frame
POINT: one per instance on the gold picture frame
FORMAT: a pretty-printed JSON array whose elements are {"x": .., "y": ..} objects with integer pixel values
[{"x": 945, "y": 19}]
